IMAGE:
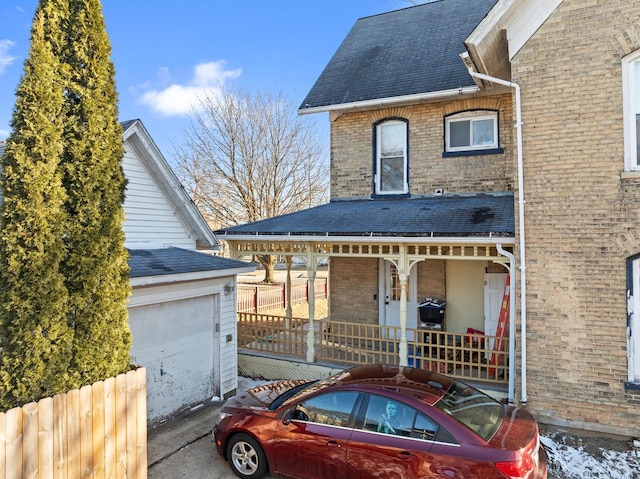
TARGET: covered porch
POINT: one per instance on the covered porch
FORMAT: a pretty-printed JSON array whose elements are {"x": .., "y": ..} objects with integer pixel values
[{"x": 387, "y": 239}]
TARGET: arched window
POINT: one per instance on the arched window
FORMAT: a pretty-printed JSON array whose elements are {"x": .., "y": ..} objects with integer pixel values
[{"x": 391, "y": 175}]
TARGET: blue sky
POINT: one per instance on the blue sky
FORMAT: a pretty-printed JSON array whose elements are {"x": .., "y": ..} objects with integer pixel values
[{"x": 167, "y": 52}]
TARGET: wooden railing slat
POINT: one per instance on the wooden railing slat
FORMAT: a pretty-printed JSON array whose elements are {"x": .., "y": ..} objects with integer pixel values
[{"x": 460, "y": 355}]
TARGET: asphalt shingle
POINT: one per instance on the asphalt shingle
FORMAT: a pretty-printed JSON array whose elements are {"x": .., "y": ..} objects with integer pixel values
[
  {"x": 162, "y": 261},
  {"x": 447, "y": 215},
  {"x": 404, "y": 52}
]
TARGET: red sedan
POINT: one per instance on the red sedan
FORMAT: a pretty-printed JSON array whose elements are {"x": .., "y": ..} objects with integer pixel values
[{"x": 377, "y": 422}]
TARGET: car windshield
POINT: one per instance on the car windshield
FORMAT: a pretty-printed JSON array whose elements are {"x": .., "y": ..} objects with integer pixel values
[{"x": 479, "y": 412}]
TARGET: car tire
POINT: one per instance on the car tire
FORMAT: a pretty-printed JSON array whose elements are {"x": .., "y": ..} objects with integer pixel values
[{"x": 246, "y": 457}]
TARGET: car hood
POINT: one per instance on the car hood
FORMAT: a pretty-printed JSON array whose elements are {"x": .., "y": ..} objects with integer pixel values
[{"x": 262, "y": 396}]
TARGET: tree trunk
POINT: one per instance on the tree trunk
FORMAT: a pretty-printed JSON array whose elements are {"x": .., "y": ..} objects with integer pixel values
[{"x": 267, "y": 262}]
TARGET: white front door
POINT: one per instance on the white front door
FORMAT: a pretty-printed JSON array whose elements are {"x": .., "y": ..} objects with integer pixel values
[
  {"x": 494, "y": 284},
  {"x": 390, "y": 298}
]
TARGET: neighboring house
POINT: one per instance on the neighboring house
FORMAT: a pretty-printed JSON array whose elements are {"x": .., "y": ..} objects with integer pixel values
[
  {"x": 182, "y": 310},
  {"x": 475, "y": 139}
]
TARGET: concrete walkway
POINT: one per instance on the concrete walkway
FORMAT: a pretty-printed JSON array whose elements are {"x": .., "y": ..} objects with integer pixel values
[{"x": 184, "y": 447}]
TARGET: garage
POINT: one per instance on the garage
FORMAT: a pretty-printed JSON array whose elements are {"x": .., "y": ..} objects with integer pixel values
[{"x": 175, "y": 341}]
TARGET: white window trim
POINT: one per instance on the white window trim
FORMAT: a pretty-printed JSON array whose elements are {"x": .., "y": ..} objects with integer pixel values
[
  {"x": 633, "y": 328},
  {"x": 631, "y": 162},
  {"x": 378, "y": 178},
  {"x": 472, "y": 116}
]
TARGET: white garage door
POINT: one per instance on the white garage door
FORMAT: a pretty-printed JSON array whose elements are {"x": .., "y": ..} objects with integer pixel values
[{"x": 175, "y": 342}]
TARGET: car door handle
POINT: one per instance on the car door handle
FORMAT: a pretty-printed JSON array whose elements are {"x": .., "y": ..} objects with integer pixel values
[
  {"x": 406, "y": 456},
  {"x": 333, "y": 444}
]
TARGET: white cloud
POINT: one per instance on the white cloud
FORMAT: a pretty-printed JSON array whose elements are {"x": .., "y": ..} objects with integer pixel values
[
  {"x": 4, "y": 134},
  {"x": 176, "y": 99},
  {"x": 5, "y": 58}
]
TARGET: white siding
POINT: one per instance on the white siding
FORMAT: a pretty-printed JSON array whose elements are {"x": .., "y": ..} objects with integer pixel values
[
  {"x": 148, "y": 215},
  {"x": 167, "y": 322}
]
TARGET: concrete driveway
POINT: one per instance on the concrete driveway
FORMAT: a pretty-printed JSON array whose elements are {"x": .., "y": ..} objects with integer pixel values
[{"x": 184, "y": 448}]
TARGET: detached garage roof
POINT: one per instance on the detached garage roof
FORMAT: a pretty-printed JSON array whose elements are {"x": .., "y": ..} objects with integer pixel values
[
  {"x": 170, "y": 260},
  {"x": 448, "y": 215}
]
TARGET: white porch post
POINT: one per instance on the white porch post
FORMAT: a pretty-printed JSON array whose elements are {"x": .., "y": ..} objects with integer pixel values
[
  {"x": 402, "y": 277},
  {"x": 288, "y": 313},
  {"x": 311, "y": 337}
]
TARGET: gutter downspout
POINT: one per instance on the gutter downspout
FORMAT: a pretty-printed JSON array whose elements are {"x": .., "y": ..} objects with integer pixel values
[
  {"x": 512, "y": 321},
  {"x": 523, "y": 267}
]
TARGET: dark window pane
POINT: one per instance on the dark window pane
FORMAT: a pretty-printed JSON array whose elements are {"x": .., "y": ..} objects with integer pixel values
[
  {"x": 392, "y": 174},
  {"x": 389, "y": 417},
  {"x": 459, "y": 133},
  {"x": 331, "y": 408}
]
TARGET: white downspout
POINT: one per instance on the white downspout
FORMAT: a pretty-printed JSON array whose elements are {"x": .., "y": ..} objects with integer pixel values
[
  {"x": 512, "y": 321},
  {"x": 523, "y": 267}
]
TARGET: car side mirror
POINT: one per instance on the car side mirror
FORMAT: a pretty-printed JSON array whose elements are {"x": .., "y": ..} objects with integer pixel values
[{"x": 286, "y": 419}]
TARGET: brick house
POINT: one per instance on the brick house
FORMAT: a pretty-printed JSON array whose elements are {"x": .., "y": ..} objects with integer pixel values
[{"x": 475, "y": 140}]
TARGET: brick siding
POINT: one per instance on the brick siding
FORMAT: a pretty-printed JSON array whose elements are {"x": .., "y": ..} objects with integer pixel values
[
  {"x": 352, "y": 151},
  {"x": 577, "y": 211}
]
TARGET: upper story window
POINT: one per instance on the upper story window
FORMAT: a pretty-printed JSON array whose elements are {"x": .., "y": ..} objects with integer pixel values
[
  {"x": 391, "y": 175},
  {"x": 631, "y": 108},
  {"x": 472, "y": 132}
]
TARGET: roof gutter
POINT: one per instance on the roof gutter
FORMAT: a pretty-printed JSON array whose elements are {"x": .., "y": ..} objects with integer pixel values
[
  {"x": 392, "y": 101},
  {"x": 523, "y": 267}
]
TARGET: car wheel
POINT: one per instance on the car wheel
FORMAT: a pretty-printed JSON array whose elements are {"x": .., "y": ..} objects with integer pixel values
[{"x": 246, "y": 457}]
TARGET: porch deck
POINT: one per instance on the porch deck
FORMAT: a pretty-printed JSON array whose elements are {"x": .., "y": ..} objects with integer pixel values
[{"x": 470, "y": 357}]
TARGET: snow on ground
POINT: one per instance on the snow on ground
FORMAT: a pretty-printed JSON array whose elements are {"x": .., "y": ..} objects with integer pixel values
[
  {"x": 570, "y": 456},
  {"x": 573, "y": 457}
]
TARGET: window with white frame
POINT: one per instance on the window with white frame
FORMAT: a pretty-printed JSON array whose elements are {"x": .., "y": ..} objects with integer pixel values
[
  {"x": 633, "y": 321},
  {"x": 391, "y": 158},
  {"x": 471, "y": 131},
  {"x": 631, "y": 109}
]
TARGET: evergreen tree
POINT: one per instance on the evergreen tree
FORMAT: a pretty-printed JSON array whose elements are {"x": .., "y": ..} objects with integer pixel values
[
  {"x": 64, "y": 280},
  {"x": 34, "y": 333},
  {"x": 95, "y": 268}
]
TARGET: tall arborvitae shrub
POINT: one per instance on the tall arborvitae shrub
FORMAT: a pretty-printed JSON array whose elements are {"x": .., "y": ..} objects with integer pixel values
[
  {"x": 35, "y": 335},
  {"x": 95, "y": 267},
  {"x": 63, "y": 267}
]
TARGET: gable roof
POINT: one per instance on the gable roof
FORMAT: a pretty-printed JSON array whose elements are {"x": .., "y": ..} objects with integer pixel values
[
  {"x": 136, "y": 135},
  {"x": 403, "y": 53},
  {"x": 486, "y": 214}
]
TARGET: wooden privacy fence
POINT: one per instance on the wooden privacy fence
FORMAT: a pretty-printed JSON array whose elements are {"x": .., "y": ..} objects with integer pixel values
[
  {"x": 97, "y": 431},
  {"x": 255, "y": 298},
  {"x": 464, "y": 355}
]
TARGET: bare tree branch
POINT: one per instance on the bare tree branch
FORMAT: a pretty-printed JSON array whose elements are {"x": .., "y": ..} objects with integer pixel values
[{"x": 247, "y": 157}]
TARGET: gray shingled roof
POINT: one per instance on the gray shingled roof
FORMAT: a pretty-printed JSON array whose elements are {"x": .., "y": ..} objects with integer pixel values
[
  {"x": 447, "y": 215},
  {"x": 162, "y": 261},
  {"x": 405, "y": 52}
]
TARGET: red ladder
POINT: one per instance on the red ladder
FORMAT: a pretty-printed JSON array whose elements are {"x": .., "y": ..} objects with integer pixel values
[{"x": 503, "y": 327}]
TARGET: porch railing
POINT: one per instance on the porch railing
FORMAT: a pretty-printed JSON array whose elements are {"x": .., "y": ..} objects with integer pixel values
[
  {"x": 466, "y": 356},
  {"x": 262, "y": 297}
]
